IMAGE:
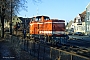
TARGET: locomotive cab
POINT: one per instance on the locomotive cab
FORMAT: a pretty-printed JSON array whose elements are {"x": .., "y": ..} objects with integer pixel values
[{"x": 40, "y": 18}]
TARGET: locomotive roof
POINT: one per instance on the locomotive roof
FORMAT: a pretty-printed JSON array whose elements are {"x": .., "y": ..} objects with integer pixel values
[{"x": 41, "y": 16}]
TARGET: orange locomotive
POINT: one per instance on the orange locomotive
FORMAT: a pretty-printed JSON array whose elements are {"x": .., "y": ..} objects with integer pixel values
[{"x": 44, "y": 26}]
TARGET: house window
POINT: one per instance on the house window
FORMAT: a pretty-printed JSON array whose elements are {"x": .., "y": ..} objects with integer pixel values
[
  {"x": 88, "y": 16},
  {"x": 17, "y": 18},
  {"x": 87, "y": 28},
  {"x": 79, "y": 21}
]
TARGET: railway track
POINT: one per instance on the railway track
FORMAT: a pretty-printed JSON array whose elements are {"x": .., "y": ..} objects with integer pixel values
[
  {"x": 69, "y": 48},
  {"x": 81, "y": 41}
]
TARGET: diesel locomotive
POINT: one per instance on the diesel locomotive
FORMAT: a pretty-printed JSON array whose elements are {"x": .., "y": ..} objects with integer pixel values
[{"x": 49, "y": 30}]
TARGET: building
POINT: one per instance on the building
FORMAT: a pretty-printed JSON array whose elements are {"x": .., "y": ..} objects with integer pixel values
[
  {"x": 87, "y": 20},
  {"x": 25, "y": 22},
  {"x": 70, "y": 26},
  {"x": 14, "y": 20},
  {"x": 79, "y": 22}
]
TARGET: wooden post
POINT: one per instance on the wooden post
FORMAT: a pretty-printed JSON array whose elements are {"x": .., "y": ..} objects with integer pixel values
[
  {"x": 38, "y": 51},
  {"x": 48, "y": 39},
  {"x": 51, "y": 53},
  {"x": 71, "y": 57},
  {"x": 59, "y": 56},
  {"x": 24, "y": 44},
  {"x": 44, "y": 52},
  {"x": 29, "y": 36},
  {"x": 34, "y": 49},
  {"x": 27, "y": 45},
  {"x": 30, "y": 48},
  {"x": 11, "y": 38}
]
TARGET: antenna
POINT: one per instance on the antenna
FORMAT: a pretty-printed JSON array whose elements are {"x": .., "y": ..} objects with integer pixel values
[{"x": 37, "y": 10}]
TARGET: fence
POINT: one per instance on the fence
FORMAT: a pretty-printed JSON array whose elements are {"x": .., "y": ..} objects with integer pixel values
[{"x": 42, "y": 51}]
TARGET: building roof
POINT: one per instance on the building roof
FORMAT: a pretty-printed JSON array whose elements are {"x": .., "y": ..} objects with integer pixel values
[
  {"x": 74, "y": 20},
  {"x": 88, "y": 5},
  {"x": 23, "y": 19},
  {"x": 70, "y": 23},
  {"x": 82, "y": 15}
]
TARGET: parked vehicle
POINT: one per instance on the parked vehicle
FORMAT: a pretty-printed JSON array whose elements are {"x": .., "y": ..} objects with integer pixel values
[
  {"x": 70, "y": 33},
  {"x": 79, "y": 33}
]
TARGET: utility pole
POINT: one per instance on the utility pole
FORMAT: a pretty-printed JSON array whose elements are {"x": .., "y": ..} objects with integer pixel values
[{"x": 37, "y": 10}]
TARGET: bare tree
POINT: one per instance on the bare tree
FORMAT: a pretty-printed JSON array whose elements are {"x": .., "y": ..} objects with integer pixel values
[{"x": 9, "y": 8}]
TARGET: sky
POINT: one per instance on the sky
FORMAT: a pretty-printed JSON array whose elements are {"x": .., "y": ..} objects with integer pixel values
[{"x": 56, "y": 9}]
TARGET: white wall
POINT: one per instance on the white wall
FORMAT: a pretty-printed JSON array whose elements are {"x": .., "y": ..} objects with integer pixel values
[{"x": 80, "y": 27}]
